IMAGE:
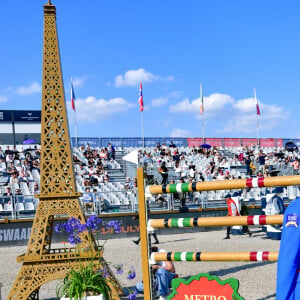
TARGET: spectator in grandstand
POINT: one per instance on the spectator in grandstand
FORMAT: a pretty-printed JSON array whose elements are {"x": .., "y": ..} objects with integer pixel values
[
  {"x": 178, "y": 169},
  {"x": 247, "y": 162},
  {"x": 261, "y": 159},
  {"x": 111, "y": 151},
  {"x": 36, "y": 189},
  {"x": 295, "y": 165},
  {"x": 8, "y": 191},
  {"x": 23, "y": 177},
  {"x": 164, "y": 172},
  {"x": 76, "y": 159},
  {"x": 172, "y": 145},
  {"x": 128, "y": 184},
  {"x": 82, "y": 171},
  {"x": 192, "y": 172},
  {"x": 18, "y": 192},
  {"x": 88, "y": 199},
  {"x": 106, "y": 178},
  {"x": 14, "y": 178},
  {"x": 2, "y": 154}
]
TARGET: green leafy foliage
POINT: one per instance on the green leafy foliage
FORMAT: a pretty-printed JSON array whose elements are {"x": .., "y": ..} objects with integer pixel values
[{"x": 87, "y": 280}]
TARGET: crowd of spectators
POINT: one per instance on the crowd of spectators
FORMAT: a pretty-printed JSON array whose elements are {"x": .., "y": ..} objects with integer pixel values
[
  {"x": 171, "y": 163},
  {"x": 216, "y": 163}
]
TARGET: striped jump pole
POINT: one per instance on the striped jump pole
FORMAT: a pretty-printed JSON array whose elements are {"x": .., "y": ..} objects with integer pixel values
[
  {"x": 213, "y": 256},
  {"x": 224, "y": 184},
  {"x": 215, "y": 221}
]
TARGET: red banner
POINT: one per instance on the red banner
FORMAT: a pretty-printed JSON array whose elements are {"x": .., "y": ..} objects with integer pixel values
[
  {"x": 279, "y": 143},
  {"x": 267, "y": 143},
  {"x": 228, "y": 142},
  {"x": 249, "y": 142},
  {"x": 214, "y": 142},
  {"x": 194, "y": 142}
]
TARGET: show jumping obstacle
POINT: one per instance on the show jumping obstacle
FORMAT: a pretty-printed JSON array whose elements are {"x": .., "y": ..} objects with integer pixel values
[{"x": 194, "y": 222}]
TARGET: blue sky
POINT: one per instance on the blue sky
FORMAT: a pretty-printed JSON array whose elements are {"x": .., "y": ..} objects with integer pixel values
[{"x": 108, "y": 47}]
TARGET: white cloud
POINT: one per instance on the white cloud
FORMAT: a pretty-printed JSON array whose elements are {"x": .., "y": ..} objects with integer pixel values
[
  {"x": 134, "y": 77},
  {"x": 180, "y": 133},
  {"x": 230, "y": 115},
  {"x": 33, "y": 88},
  {"x": 91, "y": 109},
  {"x": 214, "y": 102},
  {"x": 160, "y": 101},
  {"x": 78, "y": 81},
  {"x": 3, "y": 98},
  {"x": 244, "y": 118}
]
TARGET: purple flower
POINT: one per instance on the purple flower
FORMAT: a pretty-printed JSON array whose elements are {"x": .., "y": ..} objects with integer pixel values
[
  {"x": 132, "y": 296},
  {"x": 131, "y": 273},
  {"x": 119, "y": 269},
  {"x": 116, "y": 225},
  {"x": 93, "y": 222},
  {"x": 104, "y": 272},
  {"x": 74, "y": 239},
  {"x": 58, "y": 228}
]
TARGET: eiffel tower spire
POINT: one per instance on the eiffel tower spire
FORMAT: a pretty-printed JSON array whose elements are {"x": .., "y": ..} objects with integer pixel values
[
  {"x": 41, "y": 262},
  {"x": 57, "y": 175}
]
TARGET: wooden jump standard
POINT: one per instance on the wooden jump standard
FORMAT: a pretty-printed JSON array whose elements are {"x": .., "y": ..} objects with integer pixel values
[
  {"x": 224, "y": 184},
  {"x": 193, "y": 222}
]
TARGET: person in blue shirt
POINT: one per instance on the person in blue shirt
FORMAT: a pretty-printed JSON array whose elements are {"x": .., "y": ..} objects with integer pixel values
[{"x": 288, "y": 267}]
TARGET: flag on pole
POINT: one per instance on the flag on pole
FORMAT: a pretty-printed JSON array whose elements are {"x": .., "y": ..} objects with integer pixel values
[
  {"x": 257, "y": 106},
  {"x": 257, "y": 109},
  {"x": 141, "y": 98},
  {"x": 201, "y": 96},
  {"x": 72, "y": 96}
]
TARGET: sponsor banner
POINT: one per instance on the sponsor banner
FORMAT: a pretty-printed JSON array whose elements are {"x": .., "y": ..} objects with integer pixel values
[
  {"x": 178, "y": 142},
  {"x": 5, "y": 115},
  {"x": 229, "y": 142},
  {"x": 17, "y": 233},
  {"x": 214, "y": 142},
  {"x": 279, "y": 142},
  {"x": 267, "y": 143},
  {"x": 194, "y": 142},
  {"x": 27, "y": 116},
  {"x": 249, "y": 142}
]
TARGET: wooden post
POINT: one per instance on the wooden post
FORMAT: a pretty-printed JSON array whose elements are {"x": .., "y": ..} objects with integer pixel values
[{"x": 143, "y": 217}]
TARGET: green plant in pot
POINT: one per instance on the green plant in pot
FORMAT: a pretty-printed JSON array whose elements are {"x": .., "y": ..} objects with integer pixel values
[{"x": 90, "y": 278}]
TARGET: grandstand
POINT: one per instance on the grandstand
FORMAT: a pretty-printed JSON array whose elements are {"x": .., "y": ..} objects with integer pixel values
[{"x": 108, "y": 182}]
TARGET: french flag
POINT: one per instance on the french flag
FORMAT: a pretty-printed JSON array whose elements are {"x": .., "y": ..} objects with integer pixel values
[
  {"x": 72, "y": 96},
  {"x": 141, "y": 98}
]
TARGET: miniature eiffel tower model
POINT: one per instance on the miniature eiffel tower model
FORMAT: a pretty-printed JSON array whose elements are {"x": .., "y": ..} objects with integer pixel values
[{"x": 58, "y": 194}]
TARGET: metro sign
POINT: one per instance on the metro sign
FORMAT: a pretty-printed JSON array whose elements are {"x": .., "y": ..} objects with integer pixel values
[{"x": 205, "y": 287}]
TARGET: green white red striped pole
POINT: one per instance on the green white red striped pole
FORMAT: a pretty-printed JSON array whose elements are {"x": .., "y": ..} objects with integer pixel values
[
  {"x": 224, "y": 184},
  {"x": 216, "y": 221},
  {"x": 213, "y": 256}
]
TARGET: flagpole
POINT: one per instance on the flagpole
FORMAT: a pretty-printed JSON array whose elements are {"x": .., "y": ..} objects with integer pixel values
[
  {"x": 143, "y": 129},
  {"x": 74, "y": 109},
  {"x": 202, "y": 112},
  {"x": 257, "y": 129},
  {"x": 75, "y": 125}
]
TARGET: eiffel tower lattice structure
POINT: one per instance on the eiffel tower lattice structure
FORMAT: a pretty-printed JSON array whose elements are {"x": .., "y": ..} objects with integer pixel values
[{"x": 58, "y": 196}]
